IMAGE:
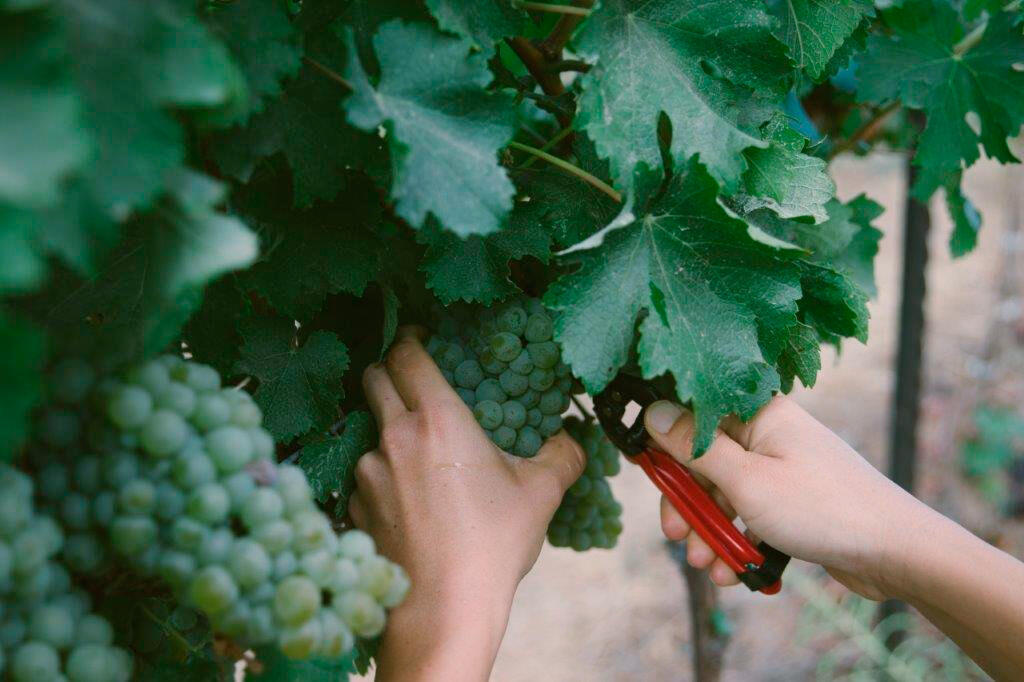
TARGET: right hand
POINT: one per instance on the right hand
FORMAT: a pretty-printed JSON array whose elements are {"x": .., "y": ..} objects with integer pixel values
[{"x": 799, "y": 487}]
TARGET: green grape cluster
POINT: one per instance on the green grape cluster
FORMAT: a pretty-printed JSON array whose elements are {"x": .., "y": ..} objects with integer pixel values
[
  {"x": 48, "y": 632},
  {"x": 505, "y": 365},
  {"x": 589, "y": 516},
  {"x": 176, "y": 478}
]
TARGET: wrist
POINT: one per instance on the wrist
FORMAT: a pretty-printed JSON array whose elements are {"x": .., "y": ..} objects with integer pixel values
[{"x": 448, "y": 630}]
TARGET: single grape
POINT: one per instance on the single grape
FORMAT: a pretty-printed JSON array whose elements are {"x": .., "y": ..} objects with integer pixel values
[
  {"x": 504, "y": 437},
  {"x": 137, "y": 497},
  {"x": 319, "y": 566},
  {"x": 302, "y": 640},
  {"x": 488, "y": 414},
  {"x": 512, "y": 319},
  {"x": 559, "y": 534},
  {"x": 529, "y": 399},
  {"x": 245, "y": 412},
  {"x": 211, "y": 411},
  {"x": 544, "y": 354},
  {"x": 130, "y": 406},
  {"x": 534, "y": 417},
  {"x": 187, "y": 534},
  {"x": 35, "y": 662},
  {"x": 170, "y": 501},
  {"x": 550, "y": 402},
  {"x": 88, "y": 474},
  {"x": 398, "y": 588},
  {"x": 262, "y": 443},
  {"x": 360, "y": 612},
  {"x": 83, "y": 553},
  {"x": 177, "y": 398},
  {"x": 75, "y": 511},
  {"x": 275, "y": 536},
  {"x": 51, "y": 625},
  {"x": 580, "y": 540},
  {"x": 550, "y": 425},
  {"x": 93, "y": 629},
  {"x": 513, "y": 384},
  {"x": 201, "y": 378},
  {"x": 152, "y": 376},
  {"x": 264, "y": 505},
  {"x": 209, "y": 503},
  {"x": 468, "y": 374},
  {"x": 296, "y": 600},
  {"x": 514, "y": 414},
  {"x": 346, "y": 575},
  {"x": 175, "y": 567},
  {"x": 311, "y": 531},
  {"x": 229, "y": 447},
  {"x": 213, "y": 590},
  {"x": 538, "y": 328},
  {"x": 375, "y": 573},
  {"x": 249, "y": 563},
  {"x": 52, "y": 481},
  {"x": 506, "y": 346},
  {"x": 356, "y": 545},
  {"x": 337, "y": 638},
  {"x": 451, "y": 356},
  {"x": 285, "y": 564},
  {"x": 467, "y": 396},
  {"x": 239, "y": 485},
  {"x": 490, "y": 389},
  {"x": 59, "y": 428},
  {"x": 214, "y": 547},
  {"x": 528, "y": 442},
  {"x": 71, "y": 380}
]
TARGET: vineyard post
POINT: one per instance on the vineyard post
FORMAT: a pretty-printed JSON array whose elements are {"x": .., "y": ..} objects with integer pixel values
[
  {"x": 708, "y": 642},
  {"x": 906, "y": 395}
]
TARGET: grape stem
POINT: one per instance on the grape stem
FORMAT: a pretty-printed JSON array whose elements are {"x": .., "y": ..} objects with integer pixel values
[
  {"x": 866, "y": 130},
  {"x": 562, "y": 134},
  {"x": 587, "y": 416},
  {"x": 330, "y": 73},
  {"x": 556, "y": 9},
  {"x": 583, "y": 175}
]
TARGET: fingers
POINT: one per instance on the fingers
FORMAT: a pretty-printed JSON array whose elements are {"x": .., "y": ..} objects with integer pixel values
[
  {"x": 672, "y": 524},
  {"x": 412, "y": 371},
  {"x": 562, "y": 458},
  {"x": 722, "y": 575},
  {"x": 725, "y": 463},
  {"x": 356, "y": 510},
  {"x": 381, "y": 394}
]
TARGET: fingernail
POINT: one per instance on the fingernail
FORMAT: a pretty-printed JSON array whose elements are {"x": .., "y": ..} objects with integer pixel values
[{"x": 662, "y": 415}]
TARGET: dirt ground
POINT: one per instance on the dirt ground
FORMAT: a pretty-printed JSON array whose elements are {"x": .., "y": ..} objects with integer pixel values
[{"x": 619, "y": 615}]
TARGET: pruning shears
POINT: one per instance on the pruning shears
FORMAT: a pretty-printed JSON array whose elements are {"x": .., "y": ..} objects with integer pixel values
[{"x": 759, "y": 568}]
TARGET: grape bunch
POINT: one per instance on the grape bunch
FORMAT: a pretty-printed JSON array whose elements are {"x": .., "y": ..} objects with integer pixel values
[
  {"x": 504, "y": 364},
  {"x": 176, "y": 478},
  {"x": 48, "y": 631},
  {"x": 589, "y": 516}
]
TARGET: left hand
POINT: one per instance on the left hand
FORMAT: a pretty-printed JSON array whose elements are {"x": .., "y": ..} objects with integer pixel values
[{"x": 465, "y": 519}]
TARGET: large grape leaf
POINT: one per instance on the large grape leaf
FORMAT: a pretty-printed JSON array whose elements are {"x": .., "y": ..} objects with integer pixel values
[
  {"x": 299, "y": 385},
  {"x": 137, "y": 303},
  {"x": 966, "y": 219},
  {"x": 814, "y": 30},
  {"x": 968, "y": 87},
  {"x": 132, "y": 62},
  {"x": 330, "y": 464},
  {"x": 715, "y": 306},
  {"x": 484, "y": 22},
  {"x": 21, "y": 385},
  {"x": 42, "y": 137},
  {"x": 307, "y": 126},
  {"x": 476, "y": 269},
  {"x": 654, "y": 57},
  {"x": 444, "y": 129},
  {"x": 265, "y": 45}
]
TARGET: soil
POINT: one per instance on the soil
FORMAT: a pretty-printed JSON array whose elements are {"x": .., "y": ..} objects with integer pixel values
[{"x": 619, "y": 615}]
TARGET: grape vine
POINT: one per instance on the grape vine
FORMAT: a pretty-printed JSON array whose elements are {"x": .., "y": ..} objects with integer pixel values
[{"x": 260, "y": 191}]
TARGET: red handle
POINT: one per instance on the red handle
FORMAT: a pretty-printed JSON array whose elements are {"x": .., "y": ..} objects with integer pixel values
[{"x": 699, "y": 510}]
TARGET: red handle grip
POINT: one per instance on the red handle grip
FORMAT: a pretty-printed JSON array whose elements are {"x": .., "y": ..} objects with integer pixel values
[{"x": 699, "y": 510}]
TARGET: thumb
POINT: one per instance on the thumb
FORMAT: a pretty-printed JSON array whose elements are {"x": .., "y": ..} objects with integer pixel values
[
  {"x": 562, "y": 459},
  {"x": 672, "y": 428}
]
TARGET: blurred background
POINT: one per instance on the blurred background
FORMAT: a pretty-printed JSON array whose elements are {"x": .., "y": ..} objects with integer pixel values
[{"x": 623, "y": 614}]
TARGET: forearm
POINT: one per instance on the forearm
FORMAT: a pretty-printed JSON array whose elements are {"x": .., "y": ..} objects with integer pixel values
[
  {"x": 453, "y": 637},
  {"x": 968, "y": 589}
]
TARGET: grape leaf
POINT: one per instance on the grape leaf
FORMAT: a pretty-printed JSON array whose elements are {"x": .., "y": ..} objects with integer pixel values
[
  {"x": 813, "y": 30},
  {"x": 785, "y": 180},
  {"x": 476, "y": 269},
  {"x": 212, "y": 331},
  {"x": 650, "y": 59},
  {"x": 858, "y": 259},
  {"x": 801, "y": 358},
  {"x": 299, "y": 386},
  {"x": 42, "y": 138},
  {"x": 21, "y": 384},
  {"x": 969, "y": 91},
  {"x": 390, "y": 304},
  {"x": 720, "y": 305},
  {"x": 484, "y": 22},
  {"x": 307, "y": 126},
  {"x": 330, "y": 464},
  {"x": 444, "y": 129},
  {"x": 142, "y": 296},
  {"x": 325, "y": 250},
  {"x": 966, "y": 219},
  {"x": 265, "y": 45},
  {"x": 165, "y": 58}
]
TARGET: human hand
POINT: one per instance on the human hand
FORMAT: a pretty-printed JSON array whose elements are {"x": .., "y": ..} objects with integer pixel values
[
  {"x": 798, "y": 486},
  {"x": 465, "y": 519}
]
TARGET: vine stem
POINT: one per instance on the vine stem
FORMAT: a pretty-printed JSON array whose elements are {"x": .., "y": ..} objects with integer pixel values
[
  {"x": 560, "y": 34},
  {"x": 556, "y": 9},
  {"x": 562, "y": 134},
  {"x": 534, "y": 61},
  {"x": 583, "y": 175},
  {"x": 866, "y": 129},
  {"x": 330, "y": 73}
]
